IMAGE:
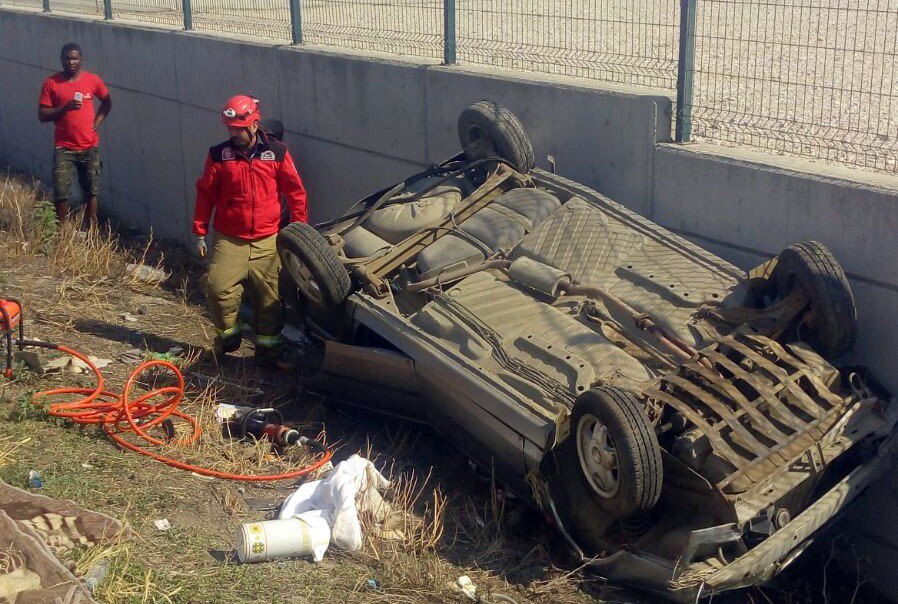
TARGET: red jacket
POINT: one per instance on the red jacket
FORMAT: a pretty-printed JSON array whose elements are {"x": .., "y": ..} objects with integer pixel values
[{"x": 245, "y": 191}]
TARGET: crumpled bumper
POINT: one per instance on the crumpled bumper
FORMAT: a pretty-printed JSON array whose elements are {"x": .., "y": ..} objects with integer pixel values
[
  {"x": 759, "y": 564},
  {"x": 776, "y": 552}
]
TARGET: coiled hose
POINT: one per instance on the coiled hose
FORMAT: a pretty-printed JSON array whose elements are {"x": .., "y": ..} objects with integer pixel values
[{"x": 119, "y": 414}]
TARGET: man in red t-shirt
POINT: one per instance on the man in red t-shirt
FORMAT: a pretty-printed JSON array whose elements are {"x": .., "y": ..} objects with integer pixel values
[{"x": 67, "y": 100}]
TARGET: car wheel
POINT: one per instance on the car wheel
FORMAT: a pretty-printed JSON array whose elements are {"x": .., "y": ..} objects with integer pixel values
[
  {"x": 488, "y": 129},
  {"x": 312, "y": 266},
  {"x": 610, "y": 461},
  {"x": 830, "y": 323}
]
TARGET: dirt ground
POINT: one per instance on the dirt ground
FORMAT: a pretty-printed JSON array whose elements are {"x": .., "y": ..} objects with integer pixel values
[
  {"x": 78, "y": 293},
  {"x": 97, "y": 309}
]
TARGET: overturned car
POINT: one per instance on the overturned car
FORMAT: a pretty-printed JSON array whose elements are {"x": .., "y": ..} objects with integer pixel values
[{"x": 680, "y": 422}]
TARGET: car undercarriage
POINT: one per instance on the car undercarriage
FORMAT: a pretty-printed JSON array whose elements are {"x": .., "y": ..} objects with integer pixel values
[{"x": 685, "y": 425}]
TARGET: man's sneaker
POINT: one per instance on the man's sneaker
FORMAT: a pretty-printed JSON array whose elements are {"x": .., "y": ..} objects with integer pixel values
[
  {"x": 275, "y": 356},
  {"x": 224, "y": 345}
]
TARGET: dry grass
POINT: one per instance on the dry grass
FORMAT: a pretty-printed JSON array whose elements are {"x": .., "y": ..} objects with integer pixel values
[
  {"x": 217, "y": 450},
  {"x": 126, "y": 581},
  {"x": 30, "y": 228},
  {"x": 8, "y": 447}
]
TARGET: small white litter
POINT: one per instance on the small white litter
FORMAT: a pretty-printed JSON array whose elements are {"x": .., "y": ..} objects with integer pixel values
[
  {"x": 467, "y": 587},
  {"x": 225, "y": 412},
  {"x": 163, "y": 524}
]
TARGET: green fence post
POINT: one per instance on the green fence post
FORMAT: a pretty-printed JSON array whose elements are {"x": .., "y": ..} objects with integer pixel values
[
  {"x": 685, "y": 70},
  {"x": 188, "y": 14},
  {"x": 107, "y": 9},
  {"x": 296, "y": 20},
  {"x": 449, "y": 32}
]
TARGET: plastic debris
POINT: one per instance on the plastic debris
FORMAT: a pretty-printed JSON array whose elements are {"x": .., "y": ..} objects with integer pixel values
[
  {"x": 304, "y": 535},
  {"x": 374, "y": 584},
  {"x": 129, "y": 318},
  {"x": 467, "y": 587},
  {"x": 95, "y": 575},
  {"x": 163, "y": 524},
  {"x": 34, "y": 480},
  {"x": 225, "y": 412}
]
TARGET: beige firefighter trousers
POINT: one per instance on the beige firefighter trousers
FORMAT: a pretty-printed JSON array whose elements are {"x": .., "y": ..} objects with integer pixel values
[{"x": 236, "y": 262}]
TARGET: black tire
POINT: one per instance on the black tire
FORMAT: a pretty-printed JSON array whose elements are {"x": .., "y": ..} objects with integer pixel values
[
  {"x": 488, "y": 129},
  {"x": 831, "y": 327},
  {"x": 312, "y": 266},
  {"x": 585, "y": 511}
]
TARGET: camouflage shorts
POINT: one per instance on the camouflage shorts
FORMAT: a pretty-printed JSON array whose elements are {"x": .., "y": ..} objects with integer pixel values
[{"x": 86, "y": 163}]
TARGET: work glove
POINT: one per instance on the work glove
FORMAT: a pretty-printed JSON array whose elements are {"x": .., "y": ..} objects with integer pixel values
[{"x": 200, "y": 246}]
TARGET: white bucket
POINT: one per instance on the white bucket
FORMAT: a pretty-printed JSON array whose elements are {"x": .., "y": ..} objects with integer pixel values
[{"x": 292, "y": 537}]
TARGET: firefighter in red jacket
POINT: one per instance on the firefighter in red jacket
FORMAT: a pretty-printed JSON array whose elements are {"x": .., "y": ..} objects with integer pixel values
[{"x": 242, "y": 183}]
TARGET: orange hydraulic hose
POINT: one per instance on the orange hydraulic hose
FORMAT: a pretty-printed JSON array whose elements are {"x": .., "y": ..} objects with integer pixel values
[{"x": 118, "y": 414}]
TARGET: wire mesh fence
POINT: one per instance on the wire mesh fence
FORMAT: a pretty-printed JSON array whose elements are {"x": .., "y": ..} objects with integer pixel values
[
  {"x": 157, "y": 12},
  {"x": 78, "y": 7},
  {"x": 23, "y": 3},
  {"x": 627, "y": 41},
  {"x": 259, "y": 18},
  {"x": 814, "y": 78},
  {"x": 408, "y": 27}
]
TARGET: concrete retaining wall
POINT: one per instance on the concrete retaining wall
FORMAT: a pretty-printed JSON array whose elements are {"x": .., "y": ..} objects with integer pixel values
[
  {"x": 747, "y": 207},
  {"x": 357, "y": 123},
  {"x": 354, "y": 123}
]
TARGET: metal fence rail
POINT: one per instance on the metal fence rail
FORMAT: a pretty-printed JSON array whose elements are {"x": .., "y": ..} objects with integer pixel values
[{"x": 814, "y": 78}]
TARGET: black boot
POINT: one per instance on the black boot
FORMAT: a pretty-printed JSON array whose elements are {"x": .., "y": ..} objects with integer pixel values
[{"x": 226, "y": 344}]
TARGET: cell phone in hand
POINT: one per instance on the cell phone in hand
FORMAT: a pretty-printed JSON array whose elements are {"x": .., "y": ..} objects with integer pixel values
[{"x": 79, "y": 97}]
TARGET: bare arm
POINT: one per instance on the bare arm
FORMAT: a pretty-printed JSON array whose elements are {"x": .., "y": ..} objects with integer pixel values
[
  {"x": 103, "y": 111},
  {"x": 51, "y": 114}
]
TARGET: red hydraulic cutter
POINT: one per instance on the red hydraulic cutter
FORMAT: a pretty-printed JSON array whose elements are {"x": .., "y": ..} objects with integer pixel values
[{"x": 10, "y": 319}]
